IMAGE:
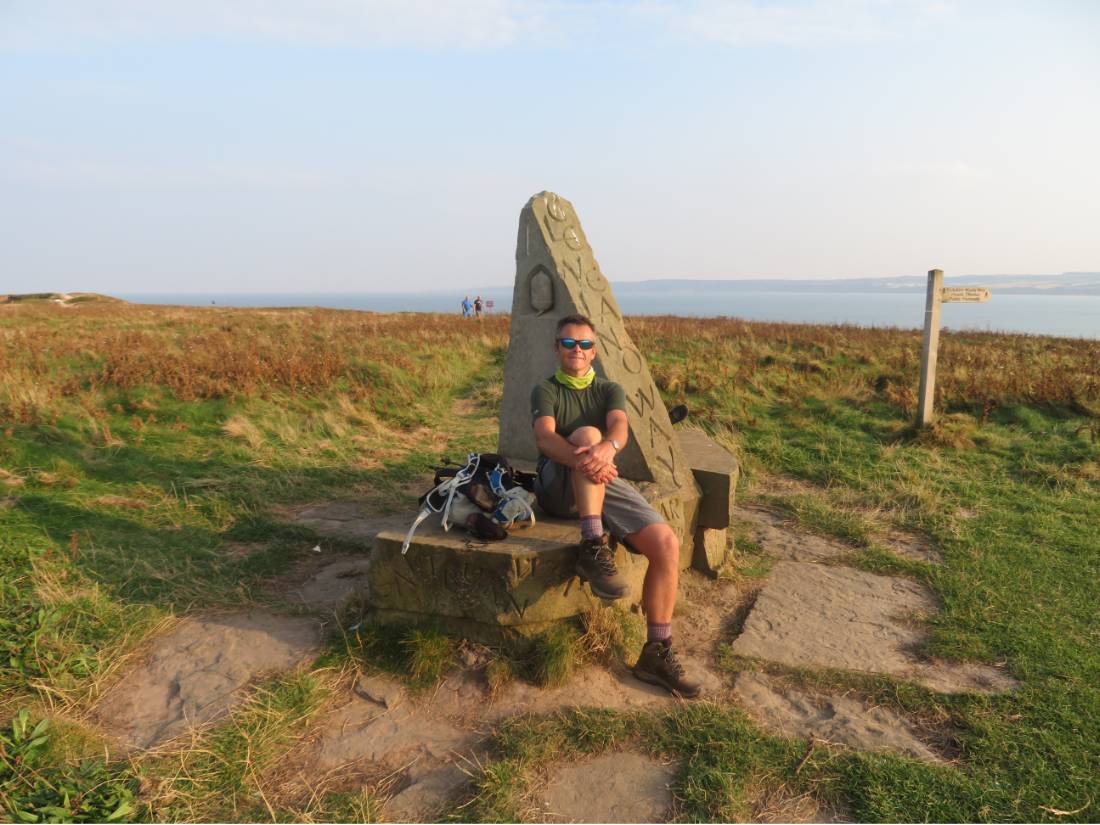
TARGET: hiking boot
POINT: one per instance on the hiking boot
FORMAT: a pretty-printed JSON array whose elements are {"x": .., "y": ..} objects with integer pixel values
[
  {"x": 596, "y": 565},
  {"x": 658, "y": 666}
]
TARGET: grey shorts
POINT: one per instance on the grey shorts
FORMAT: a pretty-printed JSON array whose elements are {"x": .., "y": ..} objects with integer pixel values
[{"x": 625, "y": 511}]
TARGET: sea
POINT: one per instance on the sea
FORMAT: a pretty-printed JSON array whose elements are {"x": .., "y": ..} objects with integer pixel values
[{"x": 1070, "y": 316}]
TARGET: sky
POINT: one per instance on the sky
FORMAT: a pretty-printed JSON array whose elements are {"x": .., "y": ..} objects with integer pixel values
[{"x": 389, "y": 145}]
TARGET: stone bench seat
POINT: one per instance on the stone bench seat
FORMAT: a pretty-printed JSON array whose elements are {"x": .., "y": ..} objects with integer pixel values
[
  {"x": 516, "y": 588},
  {"x": 493, "y": 591}
]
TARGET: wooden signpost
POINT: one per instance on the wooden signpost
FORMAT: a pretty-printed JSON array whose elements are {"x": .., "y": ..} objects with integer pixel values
[
  {"x": 938, "y": 294},
  {"x": 964, "y": 294}
]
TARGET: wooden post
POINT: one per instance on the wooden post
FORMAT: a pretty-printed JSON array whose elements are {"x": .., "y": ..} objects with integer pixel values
[{"x": 930, "y": 349}]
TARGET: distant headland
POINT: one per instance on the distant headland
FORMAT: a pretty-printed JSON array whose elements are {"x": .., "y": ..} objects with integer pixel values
[
  {"x": 59, "y": 298},
  {"x": 1067, "y": 283}
]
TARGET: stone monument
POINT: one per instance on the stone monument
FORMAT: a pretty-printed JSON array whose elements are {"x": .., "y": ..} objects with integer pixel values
[
  {"x": 557, "y": 275},
  {"x": 516, "y": 588}
]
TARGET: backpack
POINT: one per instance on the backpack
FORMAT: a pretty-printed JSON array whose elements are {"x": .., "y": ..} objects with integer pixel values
[{"x": 486, "y": 496}]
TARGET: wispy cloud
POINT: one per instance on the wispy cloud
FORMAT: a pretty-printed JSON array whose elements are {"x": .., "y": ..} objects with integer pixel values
[
  {"x": 35, "y": 24},
  {"x": 795, "y": 23},
  {"x": 456, "y": 24}
]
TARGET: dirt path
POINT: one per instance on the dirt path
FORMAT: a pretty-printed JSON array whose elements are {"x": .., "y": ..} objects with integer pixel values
[
  {"x": 199, "y": 670},
  {"x": 811, "y": 611}
]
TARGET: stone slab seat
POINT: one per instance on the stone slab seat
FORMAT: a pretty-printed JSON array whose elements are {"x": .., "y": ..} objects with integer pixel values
[
  {"x": 494, "y": 592},
  {"x": 505, "y": 590},
  {"x": 516, "y": 588}
]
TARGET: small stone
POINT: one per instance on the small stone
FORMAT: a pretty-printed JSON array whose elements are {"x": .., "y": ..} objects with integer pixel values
[
  {"x": 710, "y": 551},
  {"x": 475, "y": 657},
  {"x": 335, "y": 583},
  {"x": 422, "y": 800},
  {"x": 380, "y": 690},
  {"x": 716, "y": 472}
]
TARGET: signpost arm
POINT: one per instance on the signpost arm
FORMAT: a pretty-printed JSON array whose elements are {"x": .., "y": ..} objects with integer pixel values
[{"x": 930, "y": 348}]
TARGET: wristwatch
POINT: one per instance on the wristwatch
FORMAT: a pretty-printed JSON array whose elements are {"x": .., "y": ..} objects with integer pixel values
[{"x": 615, "y": 444}]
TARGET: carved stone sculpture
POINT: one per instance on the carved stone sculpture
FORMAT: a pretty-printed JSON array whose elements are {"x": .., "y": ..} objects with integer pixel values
[{"x": 552, "y": 249}]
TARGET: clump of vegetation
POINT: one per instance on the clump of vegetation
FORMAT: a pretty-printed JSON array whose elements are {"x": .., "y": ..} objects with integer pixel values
[
  {"x": 609, "y": 636},
  {"x": 35, "y": 788},
  {"x": 417, "y": 654},
  {"x": 555, "y": 654}
]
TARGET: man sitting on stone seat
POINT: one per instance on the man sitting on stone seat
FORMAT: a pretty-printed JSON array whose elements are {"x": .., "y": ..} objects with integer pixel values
[{"x": 580, "y": 424}]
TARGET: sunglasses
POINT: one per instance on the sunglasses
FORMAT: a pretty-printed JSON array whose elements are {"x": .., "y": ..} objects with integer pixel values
[{"x": 583, "y": 343}]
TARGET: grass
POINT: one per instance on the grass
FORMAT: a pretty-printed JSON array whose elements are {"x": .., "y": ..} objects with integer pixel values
[
  {"x": 141, "y": 447},
  {"x": 417, "y": 655},
  {"x": 232, "y": 772},
  {"x": 724, "y": 761}
]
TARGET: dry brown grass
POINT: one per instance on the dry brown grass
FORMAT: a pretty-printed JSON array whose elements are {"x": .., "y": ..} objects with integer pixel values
[
  {"x": 978, "y": 371},
  {"x": 49, "y": 354}
]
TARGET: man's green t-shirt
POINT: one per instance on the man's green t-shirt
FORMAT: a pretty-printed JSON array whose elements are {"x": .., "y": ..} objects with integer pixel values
[{"x": 572, "y": 408}]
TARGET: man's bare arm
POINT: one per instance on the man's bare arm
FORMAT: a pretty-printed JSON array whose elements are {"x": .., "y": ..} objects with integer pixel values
[
  {"x": 618, "y": 427},
  {"x": 552, "y": 445},
  {"x": 593, "y": 459},
  {"x": 558, "y": 449}
]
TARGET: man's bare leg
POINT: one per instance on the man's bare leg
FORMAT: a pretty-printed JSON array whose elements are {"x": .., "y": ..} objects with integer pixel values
[
  {"x": 658, "y": 543},
  {"x": 586, "y": 493},
  {"x": 657, "y": 664},
  {"x": 595, "y": 560}
]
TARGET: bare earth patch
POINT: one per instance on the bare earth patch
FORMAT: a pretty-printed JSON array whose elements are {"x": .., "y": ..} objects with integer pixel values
[
  {"x": 782, "y": 806},
  {"x": 615, "y": 787},
  {"x": 841, "y": 720},
  {"x": 363, "y": 730},
  {"x": 780, "y": 538},
  {"x": 120, "y": 501},
  {"x": 777, "y": 538},
  {"x": 780, "y": 485},
  {"x": 199, "y": 670},
  {"x": 463, "y": 696},
  {"x": 809, "y": 615},
  {"x": 348, "y": 520},
  {"x": 429, "y": 740},
  {"x": 384, "y": 731},
  {"x": 912, "y": 546},
  {"x": 332, "y": 584}
]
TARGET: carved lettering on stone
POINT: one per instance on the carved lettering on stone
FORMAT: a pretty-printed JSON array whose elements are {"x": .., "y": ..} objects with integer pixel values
[
  {"x": 632, "y": 360},
  {"x": 552, "y": 241}
]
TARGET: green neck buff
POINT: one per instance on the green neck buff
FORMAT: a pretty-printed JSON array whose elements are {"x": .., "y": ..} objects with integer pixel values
[{"x": 567, "y": 380}]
